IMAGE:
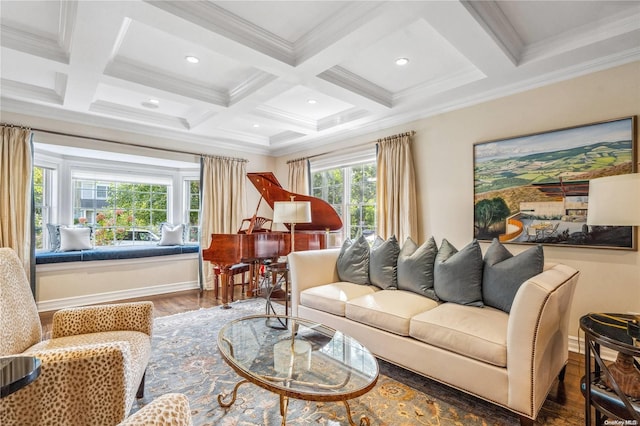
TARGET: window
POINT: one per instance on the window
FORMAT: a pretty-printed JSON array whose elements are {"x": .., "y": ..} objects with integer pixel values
[
  {"x": 42, "y": 185},
  {"x": 123, "y": 198},
  {"x": 192, "y": 193},
  {"x": 351, "y": 190},
  {"x": 121, "y": 212}
]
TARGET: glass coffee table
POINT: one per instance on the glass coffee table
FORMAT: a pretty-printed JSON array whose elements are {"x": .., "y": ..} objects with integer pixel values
[{"x": 297, "y": 358}]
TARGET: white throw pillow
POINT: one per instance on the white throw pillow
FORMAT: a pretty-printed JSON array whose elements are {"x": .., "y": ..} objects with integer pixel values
[
  {"x": 172, "y": 235},
  {"x": 75, "y": 239}
]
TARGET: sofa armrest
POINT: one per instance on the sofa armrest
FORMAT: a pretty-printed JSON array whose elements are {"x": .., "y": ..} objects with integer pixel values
[
  {"x": 538, "y": 335},
  {"x": 77, "y": 385},
  {"x": 310, "y": 269},
  {"x": 137, "y": 316},
  {"x": 171, "y": 409}
]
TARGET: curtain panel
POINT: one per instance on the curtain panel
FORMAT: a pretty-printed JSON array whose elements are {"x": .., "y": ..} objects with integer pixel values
[
  {"x": 299, "y": 176},
  {"x": 223, "y": 203},
  {"x": 16, "y": 173},
  {"x": 396, "y": 203}
]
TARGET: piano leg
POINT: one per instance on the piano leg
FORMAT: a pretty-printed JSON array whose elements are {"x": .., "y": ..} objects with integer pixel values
[{"x": 224, "y": 284}]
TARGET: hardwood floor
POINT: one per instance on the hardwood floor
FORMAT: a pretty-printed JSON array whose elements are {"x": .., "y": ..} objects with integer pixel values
[{"x": 568, "y": 395}]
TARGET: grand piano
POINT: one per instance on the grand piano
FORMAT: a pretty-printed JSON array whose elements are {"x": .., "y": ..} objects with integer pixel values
[{"x": 226, "y": 250}]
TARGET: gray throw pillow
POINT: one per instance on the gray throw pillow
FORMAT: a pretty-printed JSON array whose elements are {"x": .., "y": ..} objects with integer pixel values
[
  {"x": 415, "y": 267},
  {"x": 383, "y": 263},
  {"x": 504, "y": 273},
  {"x": 353, "y": 261},
  {"x": 54, "y": 236},
  {"x": 458, "y": 274}
]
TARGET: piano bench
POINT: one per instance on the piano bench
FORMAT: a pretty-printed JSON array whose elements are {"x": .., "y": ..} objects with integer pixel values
[{"x": 236, "y": 269}]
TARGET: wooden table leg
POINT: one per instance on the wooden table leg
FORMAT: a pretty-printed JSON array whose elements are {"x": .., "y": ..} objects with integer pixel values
[{"x": 224, "y": 282}]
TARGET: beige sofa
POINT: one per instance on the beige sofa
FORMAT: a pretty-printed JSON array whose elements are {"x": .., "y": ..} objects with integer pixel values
[{"x": 509, "y": 359}]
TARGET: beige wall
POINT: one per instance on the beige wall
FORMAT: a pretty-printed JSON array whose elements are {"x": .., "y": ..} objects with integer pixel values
[{"x": 610, "y": 279}]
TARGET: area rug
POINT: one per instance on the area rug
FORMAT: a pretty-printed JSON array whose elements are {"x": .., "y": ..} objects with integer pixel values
[{"x": 185, "y": 359}]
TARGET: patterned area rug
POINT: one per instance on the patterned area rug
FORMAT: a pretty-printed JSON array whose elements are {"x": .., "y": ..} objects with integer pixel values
[{"x": 185, "y": 359}]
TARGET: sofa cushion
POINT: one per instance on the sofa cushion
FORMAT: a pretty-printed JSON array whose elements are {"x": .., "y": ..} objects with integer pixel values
[
  {"x": 331, "y": 298},
  {"x": 383, "y": 263},
  {"x": 415, "y": 267},
  {"x": 458, "y": 274},
  {"x": 353, "y": 261},
  {"x": 504, "y": 273},
  {"x": 479, "y": 333},
  {"x": 389, "y": 310}
]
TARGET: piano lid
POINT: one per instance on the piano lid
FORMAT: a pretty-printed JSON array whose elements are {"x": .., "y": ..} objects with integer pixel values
[{"x": 323, "y": 216}]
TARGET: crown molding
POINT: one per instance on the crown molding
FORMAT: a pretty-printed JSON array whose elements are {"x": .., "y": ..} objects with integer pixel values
[
  {"x": 342, "y": 118},
  {"x": 128, "y": 70},
  {"x": 333, "y": 29},
  {"x": 583, "y": 36},
  {"x": 213, "y": 142},
  {"x": 439, "y": 85},
  {"x": 490, "y": 17},
  {"x": 216, "y": 19},
  {"x": 356, "y": 84},
  {"x": 15, "y": 89},
  {"x": 299, "y": 121},
  {"x": 68, "y": 13},
  {"x": 135, "y": 114},
  {"x": 251, "y": 85},
  {"x": 41, "y": 45}
]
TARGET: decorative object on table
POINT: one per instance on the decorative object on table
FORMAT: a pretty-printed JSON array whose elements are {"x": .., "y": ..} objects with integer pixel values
[
  {"x": 615, "y": 201},
  {"x": 534, "y": 188},
  {"x": 613, "y": 389},
  {"x": 399, "y": 396},
  {"x": 292, "y": 212}
]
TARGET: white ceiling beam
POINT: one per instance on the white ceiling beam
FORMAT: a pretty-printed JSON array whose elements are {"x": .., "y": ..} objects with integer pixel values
[{"x": 97, "y": 30}]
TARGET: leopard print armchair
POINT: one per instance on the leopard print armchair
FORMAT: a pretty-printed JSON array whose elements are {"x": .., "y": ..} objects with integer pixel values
[
  {"x": 171, "y": 409},
  {"x": 91, "y": 369}
]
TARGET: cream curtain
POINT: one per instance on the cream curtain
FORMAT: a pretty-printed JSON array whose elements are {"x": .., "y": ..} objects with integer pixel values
[
  {"x": 396, "y": 192},
  {"x": 223, "y": 203},
  {"x": 299, "y": 176},
  {"x": 15, "y": 192}
]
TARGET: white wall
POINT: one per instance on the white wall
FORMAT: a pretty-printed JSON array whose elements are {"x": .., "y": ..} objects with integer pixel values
[{"x": 443, "y": 152}]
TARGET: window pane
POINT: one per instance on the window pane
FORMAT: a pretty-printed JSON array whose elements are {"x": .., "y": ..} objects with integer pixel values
[
  {"x": 123, "y": 213},
  {"x": 352, "y": 193}
]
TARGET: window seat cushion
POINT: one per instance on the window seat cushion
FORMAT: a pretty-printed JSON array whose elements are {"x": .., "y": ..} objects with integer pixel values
[{"x": 113, "y": 252}]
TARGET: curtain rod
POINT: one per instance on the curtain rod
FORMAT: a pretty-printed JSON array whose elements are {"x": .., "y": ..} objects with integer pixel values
[
  {"x": 53, "y": 132},
  {"x": 410, "y": 133}
]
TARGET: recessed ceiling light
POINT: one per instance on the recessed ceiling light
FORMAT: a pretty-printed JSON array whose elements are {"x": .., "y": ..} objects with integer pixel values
[
  {"x": 192, "y": 59},
  {"x": 402, "y": 62},
  {"x": 312, "y": 101},
  {"x": 151, "y": 105},
  {"x": 255, "y": 126}
]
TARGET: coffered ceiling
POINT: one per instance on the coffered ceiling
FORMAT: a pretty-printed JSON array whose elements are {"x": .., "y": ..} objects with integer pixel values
[{"x": 280, "y": 77}]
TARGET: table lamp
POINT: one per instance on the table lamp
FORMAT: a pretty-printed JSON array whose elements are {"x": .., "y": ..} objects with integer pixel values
[
  {"x": 615, "y": 201},
  {"x": 292, "y": 212}
]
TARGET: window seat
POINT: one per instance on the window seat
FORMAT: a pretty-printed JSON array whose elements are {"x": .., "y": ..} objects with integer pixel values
[{"x": 112, "y": 253}]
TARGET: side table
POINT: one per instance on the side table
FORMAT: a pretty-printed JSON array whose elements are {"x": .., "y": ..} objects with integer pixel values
[
  {"x": 610, "y": 331},
  {"x": 17, "y": 372}
]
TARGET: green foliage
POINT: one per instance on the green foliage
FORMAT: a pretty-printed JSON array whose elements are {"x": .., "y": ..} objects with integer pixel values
[{"x": 487, "y": 212}]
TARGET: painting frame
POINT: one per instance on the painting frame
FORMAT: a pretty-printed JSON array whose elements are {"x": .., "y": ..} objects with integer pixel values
[{"x": 533, "y": 188}]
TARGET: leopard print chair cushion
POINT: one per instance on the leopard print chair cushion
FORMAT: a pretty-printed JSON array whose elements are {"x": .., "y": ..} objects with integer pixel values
[
  {"x": 90, "y": 370},
  {"x": 171, "y": 409}
]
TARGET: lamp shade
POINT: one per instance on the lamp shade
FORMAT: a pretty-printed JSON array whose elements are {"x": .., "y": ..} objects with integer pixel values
[
  {"x": 291, "y": 212},
  {"x": 614, "y": 200}
]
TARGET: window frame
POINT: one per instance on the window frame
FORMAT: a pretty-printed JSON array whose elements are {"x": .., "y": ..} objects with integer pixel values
[
  {"x": 345, "y": 163},
  {"x": 66, "y": 168}
]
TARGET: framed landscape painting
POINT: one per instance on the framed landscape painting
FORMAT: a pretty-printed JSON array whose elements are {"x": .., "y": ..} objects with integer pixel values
[{"x": 534, "y": 189}]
